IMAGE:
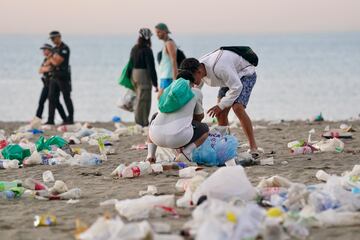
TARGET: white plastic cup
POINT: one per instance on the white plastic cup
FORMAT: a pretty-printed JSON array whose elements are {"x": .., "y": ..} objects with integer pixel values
[
  {"x": 48, "y": 176},
  {"x": 322, "y": 175}
]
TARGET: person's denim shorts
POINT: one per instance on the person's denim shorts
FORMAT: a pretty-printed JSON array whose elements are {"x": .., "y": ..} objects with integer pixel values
[
  {"x": 248, "y": 84},
  {"x": 165, "y": 82}
]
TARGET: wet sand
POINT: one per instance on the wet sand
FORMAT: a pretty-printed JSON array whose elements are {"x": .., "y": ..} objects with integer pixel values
[{"x": 17, "y": 216}]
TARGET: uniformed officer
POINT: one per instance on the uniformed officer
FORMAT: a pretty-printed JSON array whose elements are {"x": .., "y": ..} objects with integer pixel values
[
  {"x": 46, "y": 71},
  {"x": 61, "y": 81}
]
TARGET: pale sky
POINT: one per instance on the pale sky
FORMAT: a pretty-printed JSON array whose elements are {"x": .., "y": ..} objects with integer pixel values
[{"x": 182, "y": 16}]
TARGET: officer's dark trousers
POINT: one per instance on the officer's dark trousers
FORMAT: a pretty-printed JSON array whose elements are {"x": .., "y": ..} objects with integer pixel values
[
  {"x": 43, "y": 97},
  {"x": 56, "y": 86}
]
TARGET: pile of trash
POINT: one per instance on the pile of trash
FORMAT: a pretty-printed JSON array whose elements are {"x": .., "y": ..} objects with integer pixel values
[
  {"x": 86, "y": 133},
  {"x": 31, "y": 188},
  {"x": 308, "y": 147},
  {"x": 227, "y": 206},
  {"x": 276, "y": 208},
  {"x": 52, "y": 151}
]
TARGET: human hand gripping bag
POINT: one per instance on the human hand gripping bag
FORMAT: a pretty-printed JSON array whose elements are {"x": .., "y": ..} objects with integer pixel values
[{"x": 177, "y": 95}]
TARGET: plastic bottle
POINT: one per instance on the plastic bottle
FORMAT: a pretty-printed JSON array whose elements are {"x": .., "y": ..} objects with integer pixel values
[
  {"x": 8, "y": 185},
  {"x": 50, "y": 161},
  {"x": 118, "y": 170},
  {"x": 141, "y": 168},
  {"x": 296, "y": 144},
  {"x": 7, "y": 195},
  {"x": 157, "y": 168},
  {"x": 5, "y": 164},
  {"x": 302, "y": 150},
  {"x": 88, "y": 159},
  {"x": 33, "y": 184},
  {"x": 74, "y": 193}
]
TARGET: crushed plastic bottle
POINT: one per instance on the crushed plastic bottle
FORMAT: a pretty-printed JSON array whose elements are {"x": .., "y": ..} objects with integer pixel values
[
  {"x": 88, "y": 159},
  {"x": 6, "y": 164},
  {"x": 33, "y": 184},
  {"x": 118, "y": 170},
  {"x": 7, "y": 194},
  {"x": 137, "y": 170},
  {"x": 302, "y": 150},
  {"x": 9, "y": 185},
  {"x": 74, "y": 193}
]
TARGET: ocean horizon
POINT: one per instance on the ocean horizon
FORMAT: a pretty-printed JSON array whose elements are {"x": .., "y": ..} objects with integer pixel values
[{"x": 299, "y": 75}]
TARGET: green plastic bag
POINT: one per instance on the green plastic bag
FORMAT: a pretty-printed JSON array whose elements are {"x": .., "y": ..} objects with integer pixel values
[
  {"x": 42, "y": 144},
  {"x": 175, "y": 96},
  {"x": 14, "y": 151},
  {"x": 125, "y": 78}
]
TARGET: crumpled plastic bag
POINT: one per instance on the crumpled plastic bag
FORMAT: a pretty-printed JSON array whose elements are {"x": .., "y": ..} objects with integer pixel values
[
  {"x": 142, "y": 208},
  {"x": 226, "y": 183},
  {"x": 42, "y": 144},
  {"x": 127, "y": 101},
  {"x": 216, "y": 150}
]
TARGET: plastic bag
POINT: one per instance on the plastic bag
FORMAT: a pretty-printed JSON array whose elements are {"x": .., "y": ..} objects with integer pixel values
[
  {"x": 226, "y": 148},
  {"x": 205, "y": 154},
  {"x": 42, "y": 143},
  {"x": 125, "y": 78},
  {"x": 14, "y": 151},
  {"x": 127, "y": 101},
  {"x": 216, "y": 150},
  {"x": 141, "y": 208},
  {"x": 224, "y": 184}
]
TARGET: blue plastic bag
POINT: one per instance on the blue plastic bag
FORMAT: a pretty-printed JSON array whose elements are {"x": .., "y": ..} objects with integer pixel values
[
  {"x": 226, "y": 149},
  {"x": 216, "y": 150},
  {"x": 205, "y": 154}
]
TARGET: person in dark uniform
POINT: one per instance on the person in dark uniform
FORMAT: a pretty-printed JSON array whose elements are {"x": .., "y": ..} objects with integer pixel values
[
  {"x": 61, "y": 79},
  {"x": 46, "y": 71}
]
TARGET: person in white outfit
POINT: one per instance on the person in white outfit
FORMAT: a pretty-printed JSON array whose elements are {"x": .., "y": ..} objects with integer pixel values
[
  {"x": 236, "y": 78},
  {"x": 181, "y": 129}
]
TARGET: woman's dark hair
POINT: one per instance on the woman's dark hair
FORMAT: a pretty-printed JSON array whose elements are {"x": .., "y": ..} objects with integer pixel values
[
  {"x": 142, "y": 42},
  {"x": 186, "y": 75},
  {"x": 190, "y": 64}
]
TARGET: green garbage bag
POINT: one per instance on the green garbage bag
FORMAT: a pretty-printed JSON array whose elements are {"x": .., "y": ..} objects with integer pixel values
[
  {"x": 56, "y": 140},
  {"x": 43, "y": 144},
  {"x": 175, "y": 96},
  {"x": 125, "y": 78},
  {"x": 40, "y": 144},
  {"x": 14, "y": 151}
]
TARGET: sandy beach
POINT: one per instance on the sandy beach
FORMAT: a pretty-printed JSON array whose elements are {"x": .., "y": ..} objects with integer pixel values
[{"x": 17, "y": 216}]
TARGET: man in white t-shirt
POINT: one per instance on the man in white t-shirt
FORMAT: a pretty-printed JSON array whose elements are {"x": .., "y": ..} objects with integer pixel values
[
  {"x": 236, "y": 77},
  {"x": 181, "y": 129}
]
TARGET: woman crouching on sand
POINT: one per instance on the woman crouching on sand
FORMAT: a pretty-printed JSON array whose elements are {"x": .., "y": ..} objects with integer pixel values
[{"x": 181, "y": 129}]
